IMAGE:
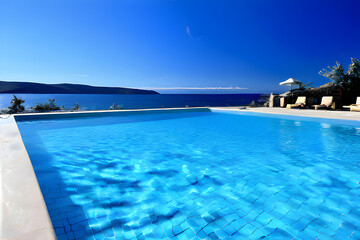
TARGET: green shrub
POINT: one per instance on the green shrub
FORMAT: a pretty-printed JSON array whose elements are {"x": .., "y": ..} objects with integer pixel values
[
  {"x": 76, "y": 107},
  {"x": 116, "y": 107},
  {"x": 48, "y": 106},
  {"x": 16, "y": 105}
]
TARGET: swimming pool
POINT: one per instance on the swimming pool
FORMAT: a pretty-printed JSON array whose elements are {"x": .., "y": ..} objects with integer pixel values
[{"x": 197, "y": 175}]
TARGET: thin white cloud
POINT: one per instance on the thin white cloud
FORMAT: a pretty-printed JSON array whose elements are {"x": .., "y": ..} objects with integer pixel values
[
  {"x": 79, "y": 75},
  {"x": 188, "y": 32},
  {"x": 194, "y": 88}
]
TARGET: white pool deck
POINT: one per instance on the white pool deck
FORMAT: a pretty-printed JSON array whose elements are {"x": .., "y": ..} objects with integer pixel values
[{"x": 23, "y": 213}]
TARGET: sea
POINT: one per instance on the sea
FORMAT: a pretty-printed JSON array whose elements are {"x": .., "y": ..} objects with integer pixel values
[{"x": 104, "y": 101}]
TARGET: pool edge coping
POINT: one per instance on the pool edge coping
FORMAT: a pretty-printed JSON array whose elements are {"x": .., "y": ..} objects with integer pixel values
[
  {"x": 277, "y": 111},
  {"x": 23, "y": 210}
]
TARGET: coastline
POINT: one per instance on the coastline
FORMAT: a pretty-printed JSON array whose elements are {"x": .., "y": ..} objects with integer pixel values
[{"x": 135, "y": 101}]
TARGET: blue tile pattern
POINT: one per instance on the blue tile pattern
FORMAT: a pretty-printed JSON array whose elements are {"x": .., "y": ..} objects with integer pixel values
[{"x": 197, "y": 176}]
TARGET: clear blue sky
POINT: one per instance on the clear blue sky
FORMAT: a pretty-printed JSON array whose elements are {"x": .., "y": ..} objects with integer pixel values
[{"x": 251, "y": 44}]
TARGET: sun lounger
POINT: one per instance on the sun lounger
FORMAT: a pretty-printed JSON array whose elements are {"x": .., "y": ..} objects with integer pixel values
[
  {"x": 355, "y": 108},
  {"x": 357, "y": 104},
  {"x": 300, "y": 102},
  {"x": 326, "y": 103}
]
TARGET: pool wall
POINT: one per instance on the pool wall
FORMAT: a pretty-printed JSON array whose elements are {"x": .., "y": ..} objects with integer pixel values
[{"x": 106, "y": 113}]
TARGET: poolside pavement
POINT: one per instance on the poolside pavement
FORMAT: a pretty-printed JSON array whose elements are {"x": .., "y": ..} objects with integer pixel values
[{"x": 23, "y": 213}]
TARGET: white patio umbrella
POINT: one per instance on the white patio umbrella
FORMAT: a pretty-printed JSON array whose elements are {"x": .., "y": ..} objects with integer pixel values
[{"x": 290, "y": 82}]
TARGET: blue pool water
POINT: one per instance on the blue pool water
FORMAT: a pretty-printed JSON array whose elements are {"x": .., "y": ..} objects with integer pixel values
[{"x": 199, "y": 175}]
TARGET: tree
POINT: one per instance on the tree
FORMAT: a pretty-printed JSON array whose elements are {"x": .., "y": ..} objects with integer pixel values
[
  {"x": 16, "y": 105},
  {"x": 76, "y": 107},
  {"x": 353, "y": 75},
  {"x": 116, "y": 107},
  {"x": 354, "y": 68},
  {"x": 349, "y": 81},
  {"x": 52, "y": 105},
  {"x": 335, "y": 74}
]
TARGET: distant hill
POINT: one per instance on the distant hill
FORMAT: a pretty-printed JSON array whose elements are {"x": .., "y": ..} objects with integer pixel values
[{"x": 66, "y": 88}]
